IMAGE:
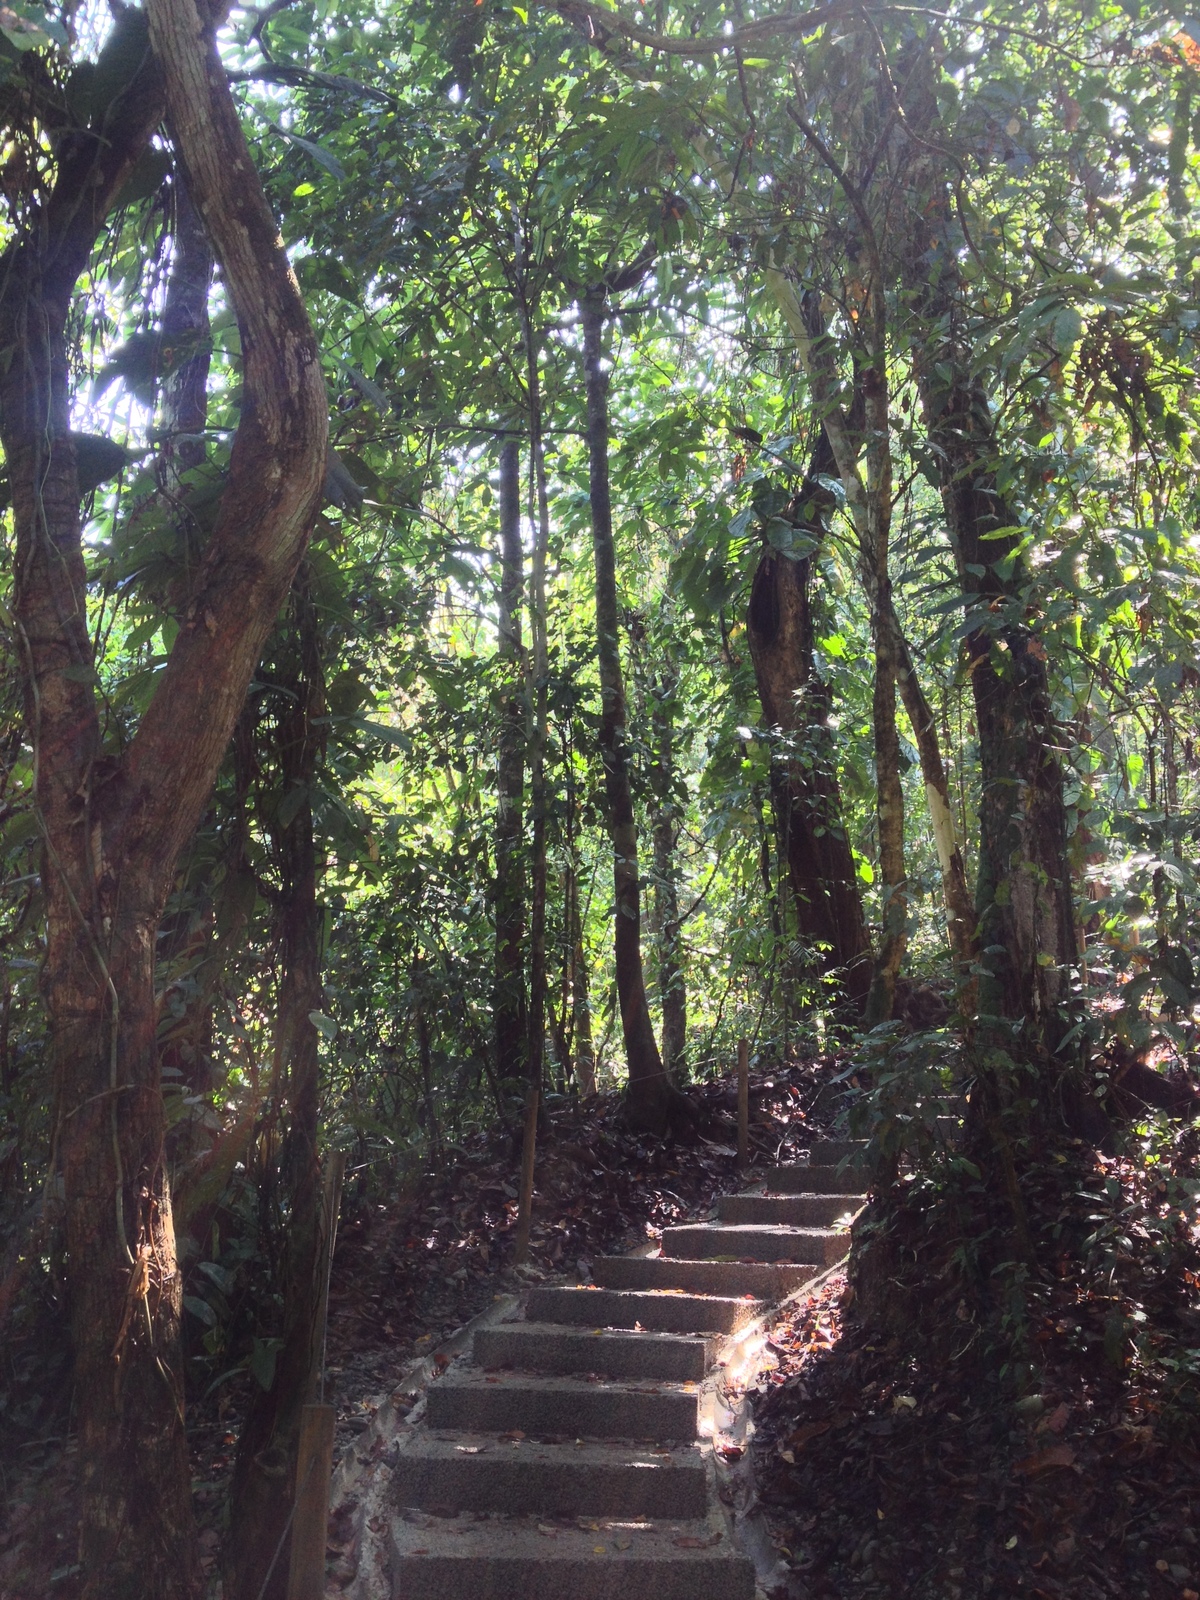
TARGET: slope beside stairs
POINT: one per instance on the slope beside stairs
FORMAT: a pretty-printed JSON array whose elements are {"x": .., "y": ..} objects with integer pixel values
[{"x": 571, "y": 1458}]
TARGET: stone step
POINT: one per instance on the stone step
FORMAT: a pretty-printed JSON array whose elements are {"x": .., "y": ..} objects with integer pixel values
[
  {"x": 793, "y": 1211},
  {"x": 832, "y": 1152},
  {"x": 812, "y": 1246},
  {"x": 478, "y": 1472},
  {"x": 768, "y": 1281},
  {"x": 565, "y": 1408},
  {"x": 663, "y": 1312},
  {"x": 433, "y": 1558},
  {"x": 547, "y": 1347},
  {"x": 802, "y": 1177}
]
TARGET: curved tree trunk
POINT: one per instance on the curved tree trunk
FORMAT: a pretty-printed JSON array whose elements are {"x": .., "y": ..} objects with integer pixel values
[
  {"x": 113, "y": 827},
  {"x": 650, "y": 1094},
  {"x": 781, "y": 631},
  {"x": 508, "y": 991}
]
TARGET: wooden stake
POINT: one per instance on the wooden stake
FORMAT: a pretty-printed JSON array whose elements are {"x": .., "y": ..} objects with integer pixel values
[
  {"x": 314, "y": 1469},
  {"x": 331, "y": 1204},
  {"x": 743, "y": 1153},
  {"x": 528, "y": 1155}
]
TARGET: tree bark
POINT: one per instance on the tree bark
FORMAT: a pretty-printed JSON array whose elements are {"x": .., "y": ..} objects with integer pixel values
[
  {"x": 672, "y": 981},
  {"x": 960, "y": 914},
  {"x": 1027, "y": 945},
  {"x": 186, "y": 343},
  {"x": 650, "y": 1095},
  {"x": 889, "y": 791},
  {"x": 265, "y": 1467},
  {"x": 510, "y": 1011},
  {"x": 576, "y": 983},
  {"x": 781, "y": 630},
  {"x": 113, "y": 827}
]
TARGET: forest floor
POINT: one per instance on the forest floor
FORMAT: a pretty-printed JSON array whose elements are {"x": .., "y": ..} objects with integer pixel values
[
  {"x": 884, "y": 1475},
  {"x": 878, "y": 1476},
  {"x": 410, "y": 1271}
]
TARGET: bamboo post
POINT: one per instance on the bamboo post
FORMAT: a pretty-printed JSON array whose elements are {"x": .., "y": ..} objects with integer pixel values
[
  {"x": 331, "y": 1205},
  {"x": 314, "y": 1469},
  {"x": 528, "y": 1153},
  {"x": 743, "y": 1148}
]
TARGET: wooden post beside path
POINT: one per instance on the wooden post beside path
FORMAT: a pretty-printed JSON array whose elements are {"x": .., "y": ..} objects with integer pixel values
[
  {"x": 743, "y": 1145},
  {"x": 310, "y": 1519},
  {"x": 314, "y": 1452},
  {"x": 528, "y": 1159}
]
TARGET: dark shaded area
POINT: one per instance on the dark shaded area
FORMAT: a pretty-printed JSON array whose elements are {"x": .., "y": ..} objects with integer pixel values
[{"x": 907, "y": 1458}]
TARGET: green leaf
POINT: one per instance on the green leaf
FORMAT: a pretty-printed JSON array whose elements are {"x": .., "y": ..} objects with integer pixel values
[
  {"x": 200, "y": 1309},
  {"x": 324, "y": 1025},
  {"x": 29, "y": 28},
  {"x": 146, "y": 178},
  {"x": 324, "y": 158},
  {"x": 262, "y": 1361}
]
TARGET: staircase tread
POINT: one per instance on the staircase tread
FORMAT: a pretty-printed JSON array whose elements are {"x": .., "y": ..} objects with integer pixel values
[
  {"x": 503, "y": 1536},
  {"x": 629, "y": 1295},
  {"x": 781, "y": 1228},
  {"x": 572, "y": 1330},
  {"x": 451, "y": 1444},
  {"x": 469, "y": 1377}
]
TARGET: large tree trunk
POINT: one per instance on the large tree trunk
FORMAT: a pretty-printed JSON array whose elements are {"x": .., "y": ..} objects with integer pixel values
[
  {"x": 265, "y": 1466},
  {"x": 113, "y": 827},
  {"x": 780, "y": 627},
  {"x": 509, "y": 1004},
  {"x": 1027, "y": 939},
  {"x": 650, "y": 1097},
  {"x": 1023, "y": 896}
]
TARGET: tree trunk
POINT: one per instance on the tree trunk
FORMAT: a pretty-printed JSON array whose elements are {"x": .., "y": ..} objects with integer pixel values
[
  {"x": 186, "y": 343},
  {"x": 780, "y": 627},
  {"x": 672, "y": 983},
  {"x": 186, "y": 1049},
  {"x": 650, "y": 1095},
  {"x": 509, "y": 1003},
  {"x": 583, "y": 1054},
  {"x": 1023, "y": 897},
  {"x": 113, "y": 827},
  {"x": 264, "y": 1471},
  {"x": 960, "y": 915},
  {"x": 893, "y": 936}
]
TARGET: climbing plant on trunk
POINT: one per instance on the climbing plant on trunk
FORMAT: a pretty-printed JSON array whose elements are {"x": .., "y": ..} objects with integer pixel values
[
  {"x": 781, "y": 628},
  {"x": 114, "y": 822}
]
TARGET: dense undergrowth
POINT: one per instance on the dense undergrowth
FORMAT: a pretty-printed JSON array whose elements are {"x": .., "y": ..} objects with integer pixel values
[{"x": 954, "y": 1422}]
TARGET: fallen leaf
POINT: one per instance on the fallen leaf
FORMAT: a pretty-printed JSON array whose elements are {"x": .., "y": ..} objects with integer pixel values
[
  {"x": 1057, "y": 1420},
  {"x": 689, "y": 1542},
  {"x": 1057, "y": 1455},
  {"x": 810, "y": 1430}
]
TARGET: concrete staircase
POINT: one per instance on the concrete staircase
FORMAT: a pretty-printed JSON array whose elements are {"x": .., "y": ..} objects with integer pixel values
[{"x": 571, "y": 1459}]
